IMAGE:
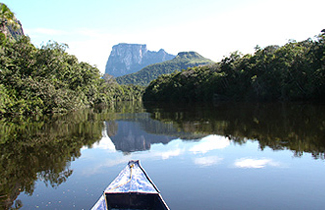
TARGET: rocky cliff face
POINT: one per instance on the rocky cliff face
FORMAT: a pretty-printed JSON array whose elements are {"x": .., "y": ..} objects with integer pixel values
[
  {"x": 15, "y": 33},
  {"x": 12, "y": 32},
  {"x": 12, "y": 29},
  {"x": 129, "y": 58}
]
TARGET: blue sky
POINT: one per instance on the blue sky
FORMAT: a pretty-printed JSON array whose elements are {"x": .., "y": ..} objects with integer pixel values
[{"x": 213, "y": 28}]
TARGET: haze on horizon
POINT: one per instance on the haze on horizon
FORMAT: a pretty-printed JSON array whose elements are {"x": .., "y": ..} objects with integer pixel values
[{"x": 213, "y": 28}]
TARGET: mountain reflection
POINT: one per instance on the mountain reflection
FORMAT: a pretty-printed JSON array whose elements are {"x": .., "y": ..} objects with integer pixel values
[{"x": 137, "y": 133}]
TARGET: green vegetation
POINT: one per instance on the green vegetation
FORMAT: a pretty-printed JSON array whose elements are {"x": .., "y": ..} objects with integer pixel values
[
  {"x": 183, "y": 60},
  {"x": 49, "y": 80},
  {"x": 295, "y": 71}
]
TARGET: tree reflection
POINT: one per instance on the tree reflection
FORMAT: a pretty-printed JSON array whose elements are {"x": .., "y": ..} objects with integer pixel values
[
  {"x": 42, "y": 149},
  {"x": 295, "y": 126}
]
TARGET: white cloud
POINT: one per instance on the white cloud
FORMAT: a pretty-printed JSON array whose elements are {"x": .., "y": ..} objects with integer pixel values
[
  {"x": 92, "y": 51},
  {"x": 254, "y": 163},
  {"x": 209, "y": 143},
  {"x": 207, "y": 161}
]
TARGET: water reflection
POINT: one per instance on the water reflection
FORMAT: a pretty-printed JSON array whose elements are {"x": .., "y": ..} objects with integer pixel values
[
  {"x": 105, "y": 142},
  {"x": 138, "y": 132},
  {"x": 43, "y": 149},
  {"x": 254, "y": 163},
  {"x": 298, "y": 127},
  {"x": 211, "y": 142}
]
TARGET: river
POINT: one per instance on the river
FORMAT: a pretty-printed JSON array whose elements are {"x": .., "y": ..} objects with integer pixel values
[{"x": 220, "y": 156}]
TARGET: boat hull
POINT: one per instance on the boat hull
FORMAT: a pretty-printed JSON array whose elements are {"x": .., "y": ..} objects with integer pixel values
[{"x": 132, "y": 189}]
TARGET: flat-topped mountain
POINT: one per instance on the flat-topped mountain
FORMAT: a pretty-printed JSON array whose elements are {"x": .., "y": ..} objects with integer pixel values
[
  {"x": 129, "y": 58},
  {"x": 183, "y": 60}
]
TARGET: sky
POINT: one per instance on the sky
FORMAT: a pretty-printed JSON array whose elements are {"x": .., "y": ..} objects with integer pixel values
[{"x": 213, "y": 28}]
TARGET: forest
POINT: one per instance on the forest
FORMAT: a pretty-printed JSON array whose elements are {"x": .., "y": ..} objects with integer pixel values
[
  {"x": 293, "y": 72},
  {"x": 182, "y": 61},
  {"x": 49, "y": 80}
]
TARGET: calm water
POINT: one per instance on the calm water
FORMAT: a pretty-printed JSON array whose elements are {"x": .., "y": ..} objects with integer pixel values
[{"x": 225, "y": 156}]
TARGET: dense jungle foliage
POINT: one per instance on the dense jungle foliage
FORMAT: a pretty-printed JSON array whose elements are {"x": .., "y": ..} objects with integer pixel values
[
  {"x": 182, "y": 61},
  {"x": 295, "y": 71},
  {"x": 49, "y": 80}
]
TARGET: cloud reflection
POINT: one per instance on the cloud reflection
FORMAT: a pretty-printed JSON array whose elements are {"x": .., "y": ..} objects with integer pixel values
[
  {"x": 207, "y": 161},
  {"x": 211, "y": 142},
  {"x": 105, "y": 143},
  {"x": 254, "y": 163},
  {"x": 170, "y": 153}
]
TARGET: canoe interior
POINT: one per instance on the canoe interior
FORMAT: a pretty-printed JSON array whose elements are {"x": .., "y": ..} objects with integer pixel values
[{"x": 134, "y": 201}]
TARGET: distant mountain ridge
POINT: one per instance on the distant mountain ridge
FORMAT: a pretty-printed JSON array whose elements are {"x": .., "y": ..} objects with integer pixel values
[
  {"x": 129, "y": 58},
  {"x": 183, "y": 60}
]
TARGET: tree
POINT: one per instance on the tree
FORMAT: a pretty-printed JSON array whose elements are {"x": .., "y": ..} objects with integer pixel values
[{"x": 294, "y": 71}]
